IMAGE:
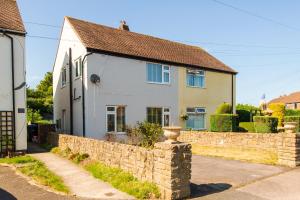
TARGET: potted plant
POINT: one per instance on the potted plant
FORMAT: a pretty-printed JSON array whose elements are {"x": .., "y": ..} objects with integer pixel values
[{"x": 184, "y": 117}]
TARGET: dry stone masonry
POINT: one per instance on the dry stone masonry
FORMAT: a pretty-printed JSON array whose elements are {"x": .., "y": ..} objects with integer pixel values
[
  {"x": 285, "y": 145},
  {"x": 167, "y": 165}
]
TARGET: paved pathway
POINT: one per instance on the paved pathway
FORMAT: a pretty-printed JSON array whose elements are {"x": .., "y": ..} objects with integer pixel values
[
  {"x": 213, "y": 175},
  {"x": 13, "y": 186},
  {"x": 80, "y": 182},
  {"x": 285, "y": 186}
]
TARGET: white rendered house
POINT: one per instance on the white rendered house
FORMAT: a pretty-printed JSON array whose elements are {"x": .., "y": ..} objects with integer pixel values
[
  {"x": 106, "y": 78},
  {"x": 13, "y": 128}
]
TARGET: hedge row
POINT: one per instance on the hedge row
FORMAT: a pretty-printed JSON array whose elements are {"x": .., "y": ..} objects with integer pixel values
[
  {"x": 293, "y": 119},
  {"x": 265, "y": 124},
  {"x": 224, "y": 123}
]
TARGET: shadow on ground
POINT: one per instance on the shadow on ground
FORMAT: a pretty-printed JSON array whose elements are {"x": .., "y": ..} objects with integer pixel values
[
  {"x": 35, "y": 148},
  {"x": 206, "y": 189},
  {"x": 4, "y": 195}
]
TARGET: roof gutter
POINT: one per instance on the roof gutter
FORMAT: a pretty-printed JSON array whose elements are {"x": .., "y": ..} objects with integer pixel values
[
  {"x": 83, "y": 92},
  {"x": 13, "y": 86},
  {"x": 157, "y": 60}
]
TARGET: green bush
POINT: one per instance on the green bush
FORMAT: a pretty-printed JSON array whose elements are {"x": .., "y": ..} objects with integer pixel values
[
  {"x": 146, "y": 134},
  {"x": 291, "y": 112},
  {"x": 224, "y": 108},
  {"x": 247, "y": 126},
  {"x": 265, "y": 124},
  {"x": 278, "y": 111},
  {"x": 246, "y": 111},
  {"x": 293, "y": 119},
  {"x": 224, "y": 122}
]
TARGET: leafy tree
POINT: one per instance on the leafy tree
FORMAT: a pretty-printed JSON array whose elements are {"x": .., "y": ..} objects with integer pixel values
[
  {"x": 224, "y": 108},
  {"x": 33, "y": 116},
  {"x": 40, "y": 99}
]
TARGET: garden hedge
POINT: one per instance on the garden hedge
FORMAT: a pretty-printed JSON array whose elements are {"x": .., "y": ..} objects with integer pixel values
[
  {"x": 293, "y": 119},
  {"x": 265, "y": 124},
  {"x": 247, "y": 126},
  {"x": 224, "y": 123}
]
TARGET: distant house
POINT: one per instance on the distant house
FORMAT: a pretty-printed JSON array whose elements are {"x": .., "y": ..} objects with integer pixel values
[
  {"x": 13, "y": 132},
  {"x": 107, "y": 78},
  {"x": 291, "y": 101}
]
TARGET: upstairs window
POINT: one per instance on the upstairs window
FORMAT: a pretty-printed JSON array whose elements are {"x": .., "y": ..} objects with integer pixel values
[
  {"x": 196, "y": 78},
  {"x": 78, "y": 67},
  {"x": 63, "y": 77},
  {"x": 157, "y": 73}
]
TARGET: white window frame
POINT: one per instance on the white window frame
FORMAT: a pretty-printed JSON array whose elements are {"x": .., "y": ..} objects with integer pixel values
[
  {"x": 195, "y": 112},
  {"x": 115, "y": 114},
  {"x": 162, "y": 71},
  {"x": 78, "y": 71},
  {"x": 196, "y": 72},
  {"x": 63, "y": 77},
  {"x": 163, "y": 113}
]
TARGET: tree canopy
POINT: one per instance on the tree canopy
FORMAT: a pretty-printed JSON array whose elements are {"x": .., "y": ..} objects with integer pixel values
[{"x": 40, "y": 100}]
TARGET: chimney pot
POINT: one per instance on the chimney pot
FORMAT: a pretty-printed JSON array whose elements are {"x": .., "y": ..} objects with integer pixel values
[{"x": 123, "y": 26}]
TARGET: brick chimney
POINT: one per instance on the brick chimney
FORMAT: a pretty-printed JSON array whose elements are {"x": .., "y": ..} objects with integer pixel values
[{"x": 123, "y": 26}]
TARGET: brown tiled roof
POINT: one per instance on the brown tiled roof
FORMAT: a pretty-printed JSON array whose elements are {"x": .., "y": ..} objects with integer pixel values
[
  {"x": 10, "y": 18},
  {"x": 126, "y": 43},
  {"x": 291, "y": 98}
]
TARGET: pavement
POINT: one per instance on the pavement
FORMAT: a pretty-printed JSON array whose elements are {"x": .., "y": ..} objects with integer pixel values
[
  {"x": 13, "y": 186},
  {"x": 218, "y": 179},
  {"x": 80, "y": 182}
]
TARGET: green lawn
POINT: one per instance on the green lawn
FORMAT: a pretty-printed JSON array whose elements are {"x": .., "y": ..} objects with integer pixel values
[
  {"x": 37, "y": 171},
  {"x": 237, "y": 153}
]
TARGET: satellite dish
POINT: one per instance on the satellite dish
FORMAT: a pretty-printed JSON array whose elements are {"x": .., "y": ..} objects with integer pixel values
[{"x": 95, "y": 78}]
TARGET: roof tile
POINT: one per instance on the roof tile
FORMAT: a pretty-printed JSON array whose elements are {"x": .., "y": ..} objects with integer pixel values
[
  {"x": 103, "y": 38},
  {"x": 10, "y": 18}
]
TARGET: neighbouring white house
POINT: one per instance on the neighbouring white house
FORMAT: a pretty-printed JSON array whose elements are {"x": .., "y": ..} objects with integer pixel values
[
  {"x": 107, "y": 78},
  {"x": 13, "y": 129}
]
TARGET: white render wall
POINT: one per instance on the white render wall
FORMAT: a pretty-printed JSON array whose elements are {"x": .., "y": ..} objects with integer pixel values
[
  {"x": 61, "y": 94},
  {"x": 6, "y": 103},
  {"x": 124, "y": 82}
]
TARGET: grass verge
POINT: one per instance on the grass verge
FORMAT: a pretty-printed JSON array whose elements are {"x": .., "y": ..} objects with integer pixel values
[
  {"x": 118, "y": 178},
  {"x": 37, "y": 171},
  {"x": 236, "y": 153}
]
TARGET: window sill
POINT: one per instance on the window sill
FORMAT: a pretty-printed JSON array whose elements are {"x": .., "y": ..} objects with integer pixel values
[
  {"x": 195, "y": 87},
  {"x": 63, "y": 86},
  {"x": 117, "y": 133},
  {"x": 159, "y": 83}
]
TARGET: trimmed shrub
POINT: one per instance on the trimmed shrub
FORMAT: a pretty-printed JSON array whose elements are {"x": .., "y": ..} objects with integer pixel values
[
  {"x": 224, "y": 108},
  {"x": 278, "y": 111},
  {"x": 224, "y": 122},
  {"x": 247, "y": 126},
  {"x": 290, "y": 112},
  {"x": 246, "y": 112},
  {"x": 293, "y": 119},
  {"x": 265, "y": 124}
]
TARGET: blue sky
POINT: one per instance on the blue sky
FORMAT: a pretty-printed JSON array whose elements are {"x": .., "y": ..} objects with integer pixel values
[{"x": 265, "y": 53}]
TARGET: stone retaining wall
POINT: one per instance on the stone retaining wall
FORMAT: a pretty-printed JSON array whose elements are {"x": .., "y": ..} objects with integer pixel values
[
  {"x": 286, "y": 145},
  {"x": 268, "y": 141},
  {"x": 167, "y": 165}
]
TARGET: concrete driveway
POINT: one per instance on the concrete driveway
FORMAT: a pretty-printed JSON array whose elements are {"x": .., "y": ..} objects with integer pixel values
[{"x": 214, "y": 175}]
